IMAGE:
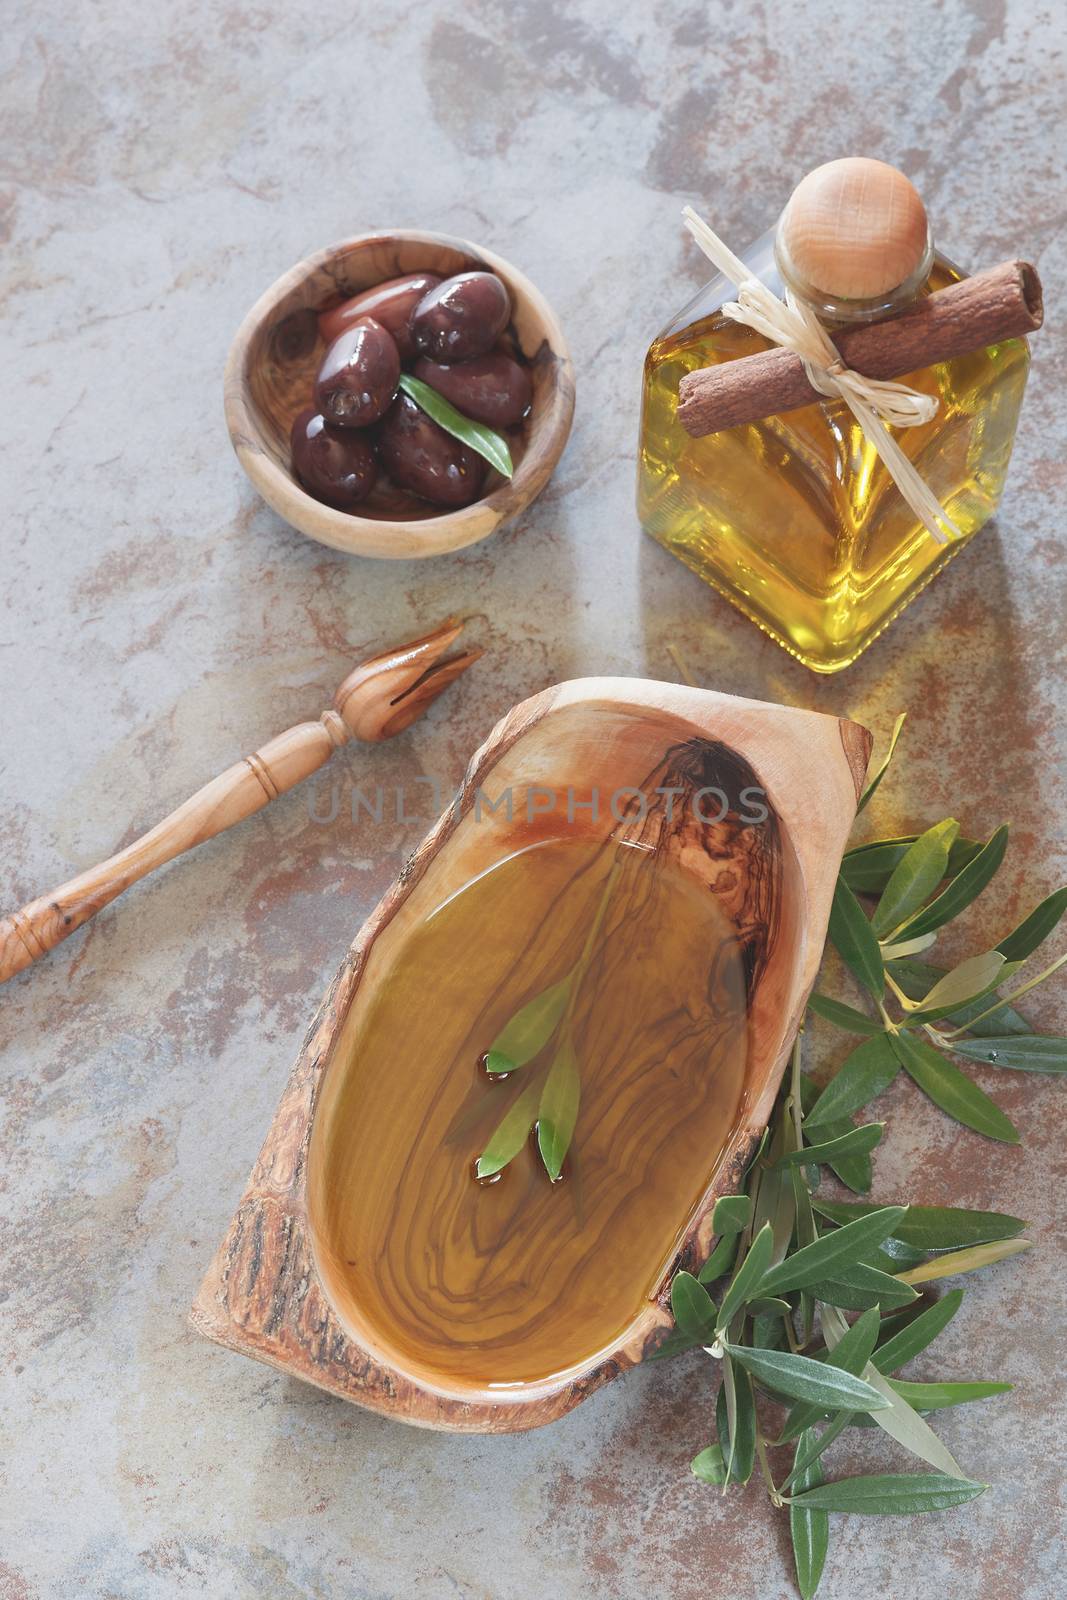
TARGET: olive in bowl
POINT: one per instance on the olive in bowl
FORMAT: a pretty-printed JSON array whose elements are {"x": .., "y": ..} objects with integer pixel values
[
  {"x": 427, "y": 442},
  {"x": 274, "y": 360},
  {"x": 359, "y": 375},
  {"x": 461, "y": 318},
  {"x": 336, "y": 465},
  {"x": 424, "y": 459},
  {"x": 391, "y": 303},
  {"x": 493, "y": 389}
]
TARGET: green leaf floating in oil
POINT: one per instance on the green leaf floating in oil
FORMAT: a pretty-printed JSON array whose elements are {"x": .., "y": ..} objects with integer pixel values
[
  {"x": 529, "y": 1030},
  {"x": 510, "y": 1134},
  {"x": 557, "y": 1111},
  {"x": 536, "y": 1024}
]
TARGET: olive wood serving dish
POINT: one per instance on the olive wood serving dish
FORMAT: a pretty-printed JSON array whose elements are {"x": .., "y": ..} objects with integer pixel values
[
  {"x": 277, "y": 350},
  {"x": 272, "y": 1290}
]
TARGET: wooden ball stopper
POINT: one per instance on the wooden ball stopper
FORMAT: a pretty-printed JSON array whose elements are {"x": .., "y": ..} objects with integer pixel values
[{"x": 853, "y": 230}]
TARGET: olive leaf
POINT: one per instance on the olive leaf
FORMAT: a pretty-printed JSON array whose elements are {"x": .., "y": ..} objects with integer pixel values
[
  {"x": 900, "y": 1421},
  {"x": 825, "y": 1258},
  {"x": 721, "y": 1259},
  {"x": 918, "y": 873},
  {"x": 809, "y": 1526},
  {"x": 854, "y": 1171},
  {"x": 489, "y": 444},
  {"x": 749, "y": 1274},
  {"x": 1026, "y": 1052},
  {"x": 855, "y": 941},
  {"x": 767, "y": 1333},
  {"x": 891, "y": 1494},
  {"x": 978, "y": 1255},
  {"x": 859, "y": 1286},
  {"x": 815, "y": 1446},
  {"x": 966, "y": 983},
  {"x": 868, "y": 867},
  {"x": 693, "y": 1309},
  {"x": 901, "y": 948},
  {"x": 914, "y": 1337},
  {"x": 883, "y": 766},
  {"x": 916, "y": 978},
  {"x": 893, "y": 1255},
  {"x": 964, "y": 888},
  {"x": 866, "y": 1073},
  {"x": 728, "y": 1395},
  {"x": 709, "y": 1466},
  {"x": 931, "y": 1227},
  {"x": 530, "y": 1029},
  {"x": 1011, "y": 967},
  {"x": 1035, "y": 928},
  {"x": 851, "y": 1355},
  {"x": 510, "y": 1134},
  {"x": 768, "y": 1307},
  {"x": 905, "y": 1425},
  {"x": 731, "y": 1213},
  {"x": 776, "y": 1204},
  {"x": 938, "y": 1396},
  {"x": 557, "y": 1110},
  {"x": 803, "y": 1379},
  {"x": 843, "y": 1016},
  {"x": 739, "y": 1438},
  {"x": 856, "y": 1142},
  {"x": 951, "y": 1089}
]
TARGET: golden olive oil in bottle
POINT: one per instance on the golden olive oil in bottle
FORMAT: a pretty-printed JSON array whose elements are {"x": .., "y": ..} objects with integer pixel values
[{"x": 795, "y": 518}]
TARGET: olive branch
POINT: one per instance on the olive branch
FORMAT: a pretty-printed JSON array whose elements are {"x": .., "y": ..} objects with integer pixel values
[
  {"x": 539, "y": 1033},
  {"x": 791, "y": 1264}
]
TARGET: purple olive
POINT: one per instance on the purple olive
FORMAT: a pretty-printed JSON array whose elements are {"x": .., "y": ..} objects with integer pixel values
[
  {"x": 358, "y": 376},
  {"x": 492, "y": 388},
  {"x": 421, "y": 457},
  {"x": 390, "y": 303},
  {"x": 462, "y": 318},
  {"x": 336, "y": 465}
]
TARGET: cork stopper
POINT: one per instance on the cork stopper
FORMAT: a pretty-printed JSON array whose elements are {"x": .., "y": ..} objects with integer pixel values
[{"x": 853, "y": 230}]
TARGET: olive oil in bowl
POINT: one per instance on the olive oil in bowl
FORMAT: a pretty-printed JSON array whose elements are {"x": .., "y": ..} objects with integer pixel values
[{"x": 516, "y": 1280}]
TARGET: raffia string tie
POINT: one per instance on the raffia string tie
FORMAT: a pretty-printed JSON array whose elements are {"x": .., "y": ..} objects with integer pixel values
[{"x": 875, "y": 403}]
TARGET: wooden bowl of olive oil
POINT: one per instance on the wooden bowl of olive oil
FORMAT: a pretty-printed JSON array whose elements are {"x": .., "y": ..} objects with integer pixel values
[{"x": 549, "y": 1051}]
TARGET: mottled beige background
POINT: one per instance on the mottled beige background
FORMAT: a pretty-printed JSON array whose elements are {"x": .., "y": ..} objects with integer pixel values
[{"x": 161, "y": 164}]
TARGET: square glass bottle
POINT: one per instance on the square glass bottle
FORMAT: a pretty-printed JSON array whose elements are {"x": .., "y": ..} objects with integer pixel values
[{"x": 795, "y": 518}]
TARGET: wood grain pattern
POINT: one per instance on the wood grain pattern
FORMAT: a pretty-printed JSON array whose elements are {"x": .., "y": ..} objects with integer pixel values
[
  {"x": 516, "y": 1280},
  {"x": 276, "y": 353},
  {"x": 1003, "y": 303},
  {"x": 266, "y": 1293}
]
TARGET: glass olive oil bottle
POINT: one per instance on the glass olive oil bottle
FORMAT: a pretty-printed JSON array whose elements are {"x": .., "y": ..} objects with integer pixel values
[{"x": 795, "y": 518}]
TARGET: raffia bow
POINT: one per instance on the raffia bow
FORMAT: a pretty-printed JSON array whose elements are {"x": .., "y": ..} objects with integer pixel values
[{"x": 876, "y": 404}]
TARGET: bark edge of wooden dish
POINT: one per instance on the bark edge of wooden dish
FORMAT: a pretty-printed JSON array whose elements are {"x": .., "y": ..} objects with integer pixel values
[
  {"x": 275, "y": 352},
  {"x": 264, "y": 1295}
]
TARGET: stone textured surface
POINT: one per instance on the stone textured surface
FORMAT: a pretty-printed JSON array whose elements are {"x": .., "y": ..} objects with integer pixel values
[{"x": 158, "y": 167}]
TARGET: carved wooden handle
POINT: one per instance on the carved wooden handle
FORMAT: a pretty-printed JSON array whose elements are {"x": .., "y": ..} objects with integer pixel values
[
  {"x": 379, "y": 699},
  {"x": 235, "y": 794}
]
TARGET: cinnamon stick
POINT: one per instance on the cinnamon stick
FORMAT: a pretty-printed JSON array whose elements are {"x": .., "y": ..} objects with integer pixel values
[{"x": 1003, "y": 303}]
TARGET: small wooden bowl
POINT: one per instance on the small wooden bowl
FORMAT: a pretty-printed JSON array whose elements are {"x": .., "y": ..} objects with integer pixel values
[{"x": 276, "y": 353}]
